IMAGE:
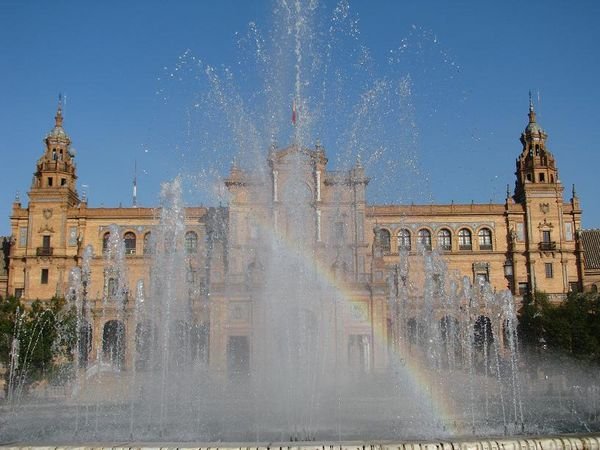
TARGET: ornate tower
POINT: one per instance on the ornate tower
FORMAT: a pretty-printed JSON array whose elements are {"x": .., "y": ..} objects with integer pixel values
[
  {"x": 55, "y": 170},
  {"x": 535, "y": 166},
  {"x": 545, "y": 239},
  {"x": 45, "y": 243}
]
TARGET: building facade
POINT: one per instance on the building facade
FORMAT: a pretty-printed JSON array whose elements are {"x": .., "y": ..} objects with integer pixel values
[{"x": 532, "y": 241}]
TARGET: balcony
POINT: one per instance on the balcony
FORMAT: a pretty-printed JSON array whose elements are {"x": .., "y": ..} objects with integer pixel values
[
  {"x": 44, "y": 251},
  {"x": 547, "y": 246}
]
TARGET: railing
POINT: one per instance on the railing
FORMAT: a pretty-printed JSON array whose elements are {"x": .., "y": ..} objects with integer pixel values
[
  {"x": 547, "y": 245},
  {"x": 44, "y": 251},
  {"x": 57, "y": 165}
]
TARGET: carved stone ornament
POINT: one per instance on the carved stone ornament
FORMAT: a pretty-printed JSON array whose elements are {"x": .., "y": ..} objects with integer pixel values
[
  {"x": 544, "y": 207},
  {"x": 47, "y": 213},
  {"x": 545, "y": 224},
  {"x": 46, "y": 228}
]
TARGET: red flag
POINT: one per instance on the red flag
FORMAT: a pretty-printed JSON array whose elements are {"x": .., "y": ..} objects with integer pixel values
[{"x": 294, "y": 112}]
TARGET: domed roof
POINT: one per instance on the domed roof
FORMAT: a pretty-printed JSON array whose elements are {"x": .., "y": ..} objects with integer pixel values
[
  {"x": 533, "y": 128},
  {"x": 58, "y": 132}
]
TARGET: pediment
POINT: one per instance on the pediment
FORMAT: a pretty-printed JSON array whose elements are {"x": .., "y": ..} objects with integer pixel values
[{"x": 296, "y": 155}]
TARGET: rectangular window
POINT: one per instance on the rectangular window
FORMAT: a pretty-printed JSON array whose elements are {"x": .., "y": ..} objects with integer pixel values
[
  {"x": 520, "y": 232},
  {"x": 523, "y": 288},
  {"x": 63, "y": 181},
  {"x": 50, "y": 181},
  {"x": 46, "y": 241},
  {"x": 568, "y": 231},
  {"x": 481, "y": 273},
  {"x": 18, "y": 293},
  {"x": 574, "y": 286},
  {"x": 546, "y": 236},
  {"x": 23, "y": 237},
  {"x": 549, "y": 270},
  {"x": 72, "y": 236},
  {"x": 481, "y": 278},
  {"x": 44, "y": 277},
  {"x": 112, "y": 288}
]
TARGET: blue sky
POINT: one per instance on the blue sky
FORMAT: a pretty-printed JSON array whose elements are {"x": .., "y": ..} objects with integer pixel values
[{"x": 468, "y": 65}]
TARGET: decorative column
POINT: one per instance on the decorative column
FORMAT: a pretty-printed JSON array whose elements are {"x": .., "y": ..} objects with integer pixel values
[
  {"x": 318, "y": 185},
  {"x": 318, "y": 225}
]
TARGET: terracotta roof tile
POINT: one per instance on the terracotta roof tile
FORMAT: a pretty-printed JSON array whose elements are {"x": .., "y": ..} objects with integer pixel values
[{"x": 591, "y": 248}]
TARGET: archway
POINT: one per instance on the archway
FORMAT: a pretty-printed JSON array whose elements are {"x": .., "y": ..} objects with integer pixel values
[
  {"x": 483, "y": 335},
  {"x": 113, "y": 343}
]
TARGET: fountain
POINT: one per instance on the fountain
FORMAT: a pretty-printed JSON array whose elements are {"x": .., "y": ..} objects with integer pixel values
[{"x": 291, "y": 288}]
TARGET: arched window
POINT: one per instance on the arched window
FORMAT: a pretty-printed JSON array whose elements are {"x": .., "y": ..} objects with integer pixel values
[
  {"x": 129, "y": 239},
  {"x": 445, "y": 240},
  {"x": 148, "y": 244},
  {"x": 404, "y": 239},
  {"x": 464, "y": 239},
  {"x": 105, "y": 239},
  {"x": 594, "y": 288},
  {"x": 191, "y": 242},
  {"x": 384, "y": 239},
  {"x": 485, "y": 239},
  {"x": 425, "y": 238}
]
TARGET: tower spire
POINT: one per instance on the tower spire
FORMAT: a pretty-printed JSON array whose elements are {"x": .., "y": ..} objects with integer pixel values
[
  {"x": 531, "y": 109},
  {"x": 58, "y": 119}
]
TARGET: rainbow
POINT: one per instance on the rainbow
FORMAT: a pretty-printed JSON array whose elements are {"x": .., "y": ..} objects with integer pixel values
[{"x": 418, "y": 377}]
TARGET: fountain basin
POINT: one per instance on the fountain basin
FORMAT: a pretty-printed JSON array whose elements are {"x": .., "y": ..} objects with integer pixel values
[{"x": 568, "y": 441}]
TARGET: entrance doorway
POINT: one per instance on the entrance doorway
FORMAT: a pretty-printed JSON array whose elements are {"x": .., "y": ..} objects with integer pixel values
[{"x": 238, "y": 356}]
